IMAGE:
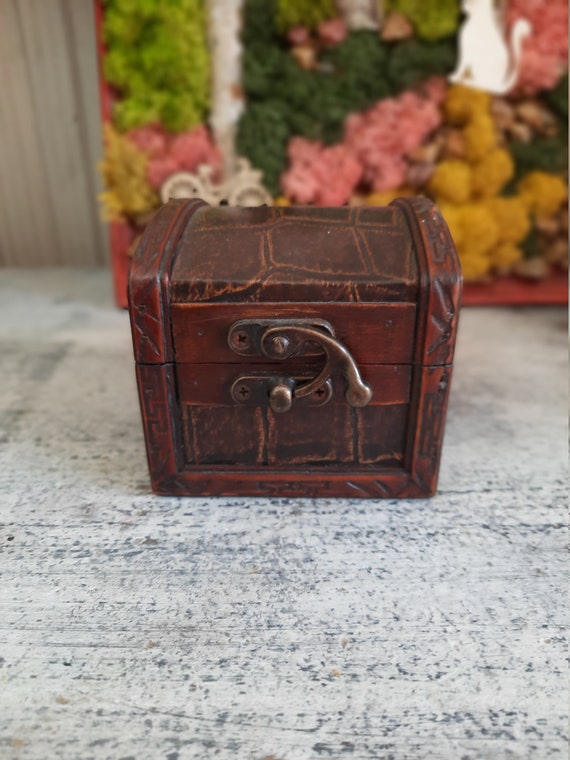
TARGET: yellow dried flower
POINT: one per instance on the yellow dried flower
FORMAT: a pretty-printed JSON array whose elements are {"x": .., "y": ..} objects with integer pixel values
[
  {"x": 492, "y": 172},
  {"x": 511, "y": 217},
  {"x": 124, "y": 173},
  {"x": 480, "y": 136},
  {"x": 463, "y": 103},
  {"x": 480, "y": 229},
  {"x": 543, "y": 193},
  {"x": 383, "y": 199},
  {"x": 451, "y": 181},
  {"x": 475, "y": 267},
  {"x": 505, "y": 255}
]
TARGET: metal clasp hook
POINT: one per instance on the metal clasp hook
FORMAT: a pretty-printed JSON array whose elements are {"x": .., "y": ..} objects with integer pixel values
[{"x": 280, "y": 340}]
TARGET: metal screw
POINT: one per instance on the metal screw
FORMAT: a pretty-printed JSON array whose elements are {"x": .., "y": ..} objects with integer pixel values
[
  {"x": 319, "y": 393},
  {"x": 240, "y": 339},
  {"x": 243, "y": 392}
]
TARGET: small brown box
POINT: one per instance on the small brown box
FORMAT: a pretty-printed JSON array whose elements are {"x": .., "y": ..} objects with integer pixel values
[{"x": 295, "y": 351}]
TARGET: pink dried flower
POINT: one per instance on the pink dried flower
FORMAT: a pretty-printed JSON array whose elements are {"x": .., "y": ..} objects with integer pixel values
[
  {"x": 373, "y": 151},
  {"x": 545, "y": 51},
  {"x": 185, "y": 152},
  {"x": 435, "y": 89},
  {"x": 193, "y": 148},
  {"x": 298, "y": 35},
  {"x": 152, "y": 139},
  {"x": 159, "y": 169},
  {"x": 333, "y": 31},
  {"x": 323, "y": 176},
  {"x": 381, "y": 137}
]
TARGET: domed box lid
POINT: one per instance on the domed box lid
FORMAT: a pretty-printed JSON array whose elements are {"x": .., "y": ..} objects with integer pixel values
[{"x": 388, "y": 278}]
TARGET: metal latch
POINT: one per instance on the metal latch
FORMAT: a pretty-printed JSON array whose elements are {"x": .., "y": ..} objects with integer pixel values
[{"x": 282, "y": 339}]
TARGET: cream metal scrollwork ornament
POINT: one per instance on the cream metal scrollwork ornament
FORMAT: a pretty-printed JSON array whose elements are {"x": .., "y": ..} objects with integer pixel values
[{"x": 243, "y": 188}]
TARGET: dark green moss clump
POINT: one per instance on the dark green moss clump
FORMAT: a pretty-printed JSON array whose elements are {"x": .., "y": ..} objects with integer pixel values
[{"x": 285, "y": 100}]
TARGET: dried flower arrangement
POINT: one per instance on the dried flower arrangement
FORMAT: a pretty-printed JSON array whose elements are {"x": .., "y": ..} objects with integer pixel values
[{"x": 345, "y": 101}]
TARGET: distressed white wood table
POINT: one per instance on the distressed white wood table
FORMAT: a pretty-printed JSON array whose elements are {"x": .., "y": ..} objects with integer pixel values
[{"x": 133, "y": 626}]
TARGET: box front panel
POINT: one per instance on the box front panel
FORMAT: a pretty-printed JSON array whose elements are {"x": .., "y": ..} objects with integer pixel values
[
  {"x": 374, "y": 333},
  {"x": 307, "y": 437},
  {"x": 228, "y": 416}
]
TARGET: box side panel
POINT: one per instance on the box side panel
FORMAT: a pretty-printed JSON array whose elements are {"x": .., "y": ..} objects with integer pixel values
[
  {"x": 439, "y": 296},
  {"x": 439, "y": 300},
  {"x": 149, "y": 280},
  {"x": 426, "y": 432},
  {"x": 161, "y": 420}
]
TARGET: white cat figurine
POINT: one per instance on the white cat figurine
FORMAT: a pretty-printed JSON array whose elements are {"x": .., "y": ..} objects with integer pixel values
[{"x": 485, "y": 61}]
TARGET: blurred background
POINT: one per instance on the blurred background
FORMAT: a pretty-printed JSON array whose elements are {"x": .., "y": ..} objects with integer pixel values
[
  {"x": 50, "y": 135},
  {"x": 110, "y": 107}
]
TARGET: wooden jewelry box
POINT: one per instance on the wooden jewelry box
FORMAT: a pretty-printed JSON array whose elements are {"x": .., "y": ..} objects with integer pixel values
[{"x": 294, "y": 351}]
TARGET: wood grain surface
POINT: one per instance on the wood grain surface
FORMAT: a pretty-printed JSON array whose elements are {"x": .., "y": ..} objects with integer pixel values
[{"x": 134, "y": 626}]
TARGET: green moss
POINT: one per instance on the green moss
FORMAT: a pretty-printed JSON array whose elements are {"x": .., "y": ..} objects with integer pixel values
[
  {"x": 557, "y": 98},
  {"x": 309, "y": 13},
  {"x": 547, "y": 154},
  {"x": 259, "y": 22},
  {"x": 359, "y": 71},
  {"x": 262, "y": 136},
  {"x": 412, "y": 61},
  {"x": 349, "y": 78},
  {"x": 531, "y": 244},
  {"x": 432, "y": 19},
  {"x": 158, "y": 58}
]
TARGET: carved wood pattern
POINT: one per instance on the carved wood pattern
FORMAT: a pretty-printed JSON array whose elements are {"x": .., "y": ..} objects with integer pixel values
[
  {"x": 352, "y": 455},
  {"x": 149, "y": 280},
  {"x": 157, "y": 395},
  {"x": 282, "y": 485},
  {"x": 442, "y": 290},
  {"x": 428, "y": 435}
]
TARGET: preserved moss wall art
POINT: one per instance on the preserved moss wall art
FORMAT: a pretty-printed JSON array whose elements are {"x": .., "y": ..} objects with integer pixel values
[{"x": 339, "y": 102}]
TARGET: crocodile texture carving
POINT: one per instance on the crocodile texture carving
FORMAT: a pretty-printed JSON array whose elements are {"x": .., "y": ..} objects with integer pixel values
[{"x": 309, "y": 254}]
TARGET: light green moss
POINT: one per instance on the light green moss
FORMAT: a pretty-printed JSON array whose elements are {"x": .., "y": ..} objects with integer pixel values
[
  {"x": 432, "y": 19},
  {"x": 158, "y": 59},
  {"x": 303, "y": 13}
]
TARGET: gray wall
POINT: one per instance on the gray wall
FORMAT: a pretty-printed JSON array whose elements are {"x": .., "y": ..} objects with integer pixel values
[{"x": 50, "y": 135}]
